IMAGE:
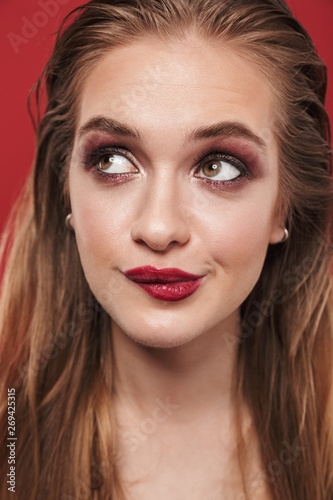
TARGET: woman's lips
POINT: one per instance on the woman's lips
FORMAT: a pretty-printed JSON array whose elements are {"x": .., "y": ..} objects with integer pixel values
[{"x": 165, "y": 284}]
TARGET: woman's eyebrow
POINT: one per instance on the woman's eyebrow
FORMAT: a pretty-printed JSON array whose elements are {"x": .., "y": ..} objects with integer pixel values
[
  {"x": 108, "y": 125},
  {"x": 225, "y": 129}
]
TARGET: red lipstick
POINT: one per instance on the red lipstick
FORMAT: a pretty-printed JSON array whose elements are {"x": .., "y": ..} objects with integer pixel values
[{"x": 165, "y": 284}]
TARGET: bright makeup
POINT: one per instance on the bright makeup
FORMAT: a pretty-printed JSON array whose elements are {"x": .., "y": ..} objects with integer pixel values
[{"x": 165, "y": 284}]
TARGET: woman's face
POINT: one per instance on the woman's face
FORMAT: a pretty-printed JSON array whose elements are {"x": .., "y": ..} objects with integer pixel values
[{"x": 175, "y": 165}]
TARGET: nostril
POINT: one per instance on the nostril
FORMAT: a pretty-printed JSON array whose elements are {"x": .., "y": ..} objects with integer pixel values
[{"x": 156, "y": 246}]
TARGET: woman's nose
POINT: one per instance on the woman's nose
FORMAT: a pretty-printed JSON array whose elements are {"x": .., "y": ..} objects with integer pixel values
[{"x": 161, "y": 220}]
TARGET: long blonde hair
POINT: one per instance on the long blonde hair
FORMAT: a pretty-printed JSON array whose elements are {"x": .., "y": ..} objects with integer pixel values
[{"x": 56, "y": 349}]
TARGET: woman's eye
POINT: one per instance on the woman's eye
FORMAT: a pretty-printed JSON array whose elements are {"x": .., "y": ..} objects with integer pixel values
[
  {"x": 219, "y": 170},
  {"x": 115, "y": 164}
]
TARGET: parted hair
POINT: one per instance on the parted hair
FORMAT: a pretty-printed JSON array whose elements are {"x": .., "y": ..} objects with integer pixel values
[{"x": 56, "y": 348}]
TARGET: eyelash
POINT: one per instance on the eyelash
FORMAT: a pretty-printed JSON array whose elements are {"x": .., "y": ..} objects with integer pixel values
[{"x": 94, "y": 157}]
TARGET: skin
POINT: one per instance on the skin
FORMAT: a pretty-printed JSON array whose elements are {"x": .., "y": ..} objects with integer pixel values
[{"x": 165, "y": 215}]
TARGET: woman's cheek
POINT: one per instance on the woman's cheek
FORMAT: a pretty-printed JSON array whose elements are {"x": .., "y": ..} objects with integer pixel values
[
  {"x": 98, "y": 215},
  {"x": 239, "y": 237}
]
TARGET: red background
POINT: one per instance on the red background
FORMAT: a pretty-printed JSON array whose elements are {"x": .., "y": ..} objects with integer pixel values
[{"x": 22, "y": 60}]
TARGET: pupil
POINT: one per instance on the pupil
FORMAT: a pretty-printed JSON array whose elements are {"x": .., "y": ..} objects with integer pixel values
[
  {"x": 105, "y": 161},
  {"x": 212, "y": 168}
]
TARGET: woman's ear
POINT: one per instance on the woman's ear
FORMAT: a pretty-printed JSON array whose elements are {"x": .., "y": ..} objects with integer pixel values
[
  {"x": 279, "y": 235},
  {"x": 278, "y": 229}
]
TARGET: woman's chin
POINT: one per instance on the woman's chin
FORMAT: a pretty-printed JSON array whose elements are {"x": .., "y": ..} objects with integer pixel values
[{"x": 158, "y": 337}]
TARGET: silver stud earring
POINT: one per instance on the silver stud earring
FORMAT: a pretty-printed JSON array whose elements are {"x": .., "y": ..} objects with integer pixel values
[
  {"x": 286, "y": 235},
  {"x": 68, "y": 222}
]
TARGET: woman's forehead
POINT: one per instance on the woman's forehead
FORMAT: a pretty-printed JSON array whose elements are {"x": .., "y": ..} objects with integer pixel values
[{"x": 154, "y": 84}]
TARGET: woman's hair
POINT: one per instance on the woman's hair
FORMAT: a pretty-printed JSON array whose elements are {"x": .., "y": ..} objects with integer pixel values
[{"x": 56, "y": 348}]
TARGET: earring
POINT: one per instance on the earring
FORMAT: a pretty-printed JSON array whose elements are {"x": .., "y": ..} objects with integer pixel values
[
  {"x": 68, "y": 222},
  {"x": 285, "y": 236}
]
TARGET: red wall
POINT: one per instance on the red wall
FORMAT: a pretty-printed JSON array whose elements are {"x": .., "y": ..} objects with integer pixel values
[{"x": 27, "y": 28}]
